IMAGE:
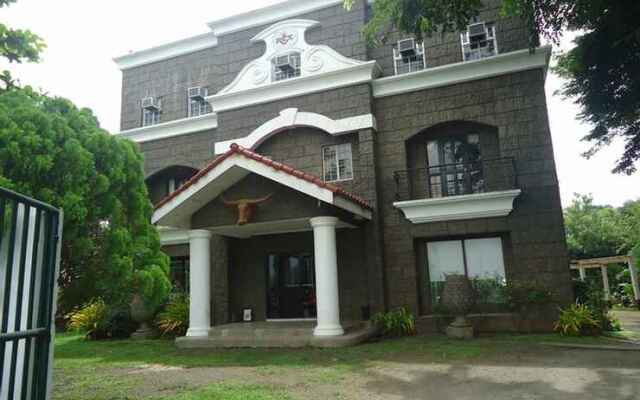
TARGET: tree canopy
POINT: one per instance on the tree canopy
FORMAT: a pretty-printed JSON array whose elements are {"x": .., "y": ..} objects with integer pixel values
[
  {"x": 57, "y": 153},
  {"x": 602, "y": 71},
  {"x": 52, "y": 151},
  {"x": 601, "y": 231}
]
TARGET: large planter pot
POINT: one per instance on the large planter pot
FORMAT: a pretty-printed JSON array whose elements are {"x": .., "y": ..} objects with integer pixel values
[
  {"x": 458, "y": 297},
  {"x": 141, "y": 314}
]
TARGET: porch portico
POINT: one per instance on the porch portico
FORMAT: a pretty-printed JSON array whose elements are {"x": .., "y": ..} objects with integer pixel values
[{"x": 183, "y": 207}]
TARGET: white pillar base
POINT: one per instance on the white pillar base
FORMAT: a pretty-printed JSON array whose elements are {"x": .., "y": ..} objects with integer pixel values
[
  {"x": 198, "y": 332},
  {"x": 328, "y": 330},
  {"x": 326, "y": 260}
]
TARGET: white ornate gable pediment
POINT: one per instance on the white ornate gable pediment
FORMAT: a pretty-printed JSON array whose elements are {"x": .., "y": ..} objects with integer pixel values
[{"x": 316, "y": 61}]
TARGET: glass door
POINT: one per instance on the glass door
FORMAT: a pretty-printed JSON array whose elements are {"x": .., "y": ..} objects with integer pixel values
[
  {"x": 454, "y": 166},
  {"x": 290, "y": 287}
]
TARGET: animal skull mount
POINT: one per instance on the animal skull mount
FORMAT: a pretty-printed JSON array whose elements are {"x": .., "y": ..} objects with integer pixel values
[{"x": 246, "y": 207}]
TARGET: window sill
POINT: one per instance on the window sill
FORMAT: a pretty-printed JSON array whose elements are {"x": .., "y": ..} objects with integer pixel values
[
  {"x": 172, "y": 128},
  {"x": 470, "y": 206}
]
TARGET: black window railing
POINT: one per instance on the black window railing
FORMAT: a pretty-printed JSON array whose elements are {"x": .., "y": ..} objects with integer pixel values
[{"x": 447, "y": 180}]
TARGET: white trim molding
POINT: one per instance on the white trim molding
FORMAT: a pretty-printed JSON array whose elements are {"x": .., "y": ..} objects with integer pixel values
[
  {"x": 478, "y": 205},
  {"x": 515, "y": 61},
  {"x": 166, "y": 51},
  {"x": 170, "y": 236},
  {"x": 267, "y": 15},
  {"x": 292, "y": 118},
  {"x": 172, "y": 128},
  {"x": 321, "y": 69}
]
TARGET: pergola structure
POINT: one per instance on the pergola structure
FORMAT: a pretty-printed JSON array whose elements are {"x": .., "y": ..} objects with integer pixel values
[{"x": 603, "y": 263}]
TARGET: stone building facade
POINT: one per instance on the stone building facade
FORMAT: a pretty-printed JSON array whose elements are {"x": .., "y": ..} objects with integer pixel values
[{"x": 379, "y": 183}]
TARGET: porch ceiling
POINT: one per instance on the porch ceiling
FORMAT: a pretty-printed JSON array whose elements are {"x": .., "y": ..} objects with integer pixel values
[{"x": 228, "y": 169}]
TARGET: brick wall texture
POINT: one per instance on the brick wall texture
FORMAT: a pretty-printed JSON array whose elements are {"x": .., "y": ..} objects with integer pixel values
[{"x": 382, "y": 261}]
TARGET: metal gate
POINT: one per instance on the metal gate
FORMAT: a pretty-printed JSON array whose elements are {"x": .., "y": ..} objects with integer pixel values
[{"x": 30, "y": 234}]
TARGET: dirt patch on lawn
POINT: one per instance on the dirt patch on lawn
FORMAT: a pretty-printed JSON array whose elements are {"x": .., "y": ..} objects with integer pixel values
[{"x": 528, "y": 372}]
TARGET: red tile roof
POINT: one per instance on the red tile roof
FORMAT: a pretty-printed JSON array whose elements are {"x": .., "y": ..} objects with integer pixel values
[{"x": 237, "y": 149}]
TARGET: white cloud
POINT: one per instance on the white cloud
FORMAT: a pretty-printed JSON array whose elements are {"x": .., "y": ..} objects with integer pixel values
[{"x": 84, "y": 35}]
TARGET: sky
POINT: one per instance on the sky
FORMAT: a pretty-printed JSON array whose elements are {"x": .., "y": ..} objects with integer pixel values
[{"x": 83, "y": 37}]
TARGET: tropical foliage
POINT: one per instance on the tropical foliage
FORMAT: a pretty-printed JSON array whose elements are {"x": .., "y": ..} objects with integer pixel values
[
  {"x": 398, "y": 322},
  {"x": 577, "y": 320},
  {"x": 174, "y": 319},
  {"x": 602, "y": 71}
]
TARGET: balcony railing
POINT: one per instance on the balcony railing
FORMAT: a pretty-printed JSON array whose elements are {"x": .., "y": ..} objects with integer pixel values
[{"x": 456, "y": 179}]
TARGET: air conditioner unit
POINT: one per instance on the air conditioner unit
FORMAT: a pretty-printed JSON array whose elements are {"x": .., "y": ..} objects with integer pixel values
[
  {"x": 477, "y": 31},
  {"x": 149, "y": 103},
  {"x": 285, "y": 63},
  {"x": 407, "y": 47},
  {"x": 196, "y": 93}
]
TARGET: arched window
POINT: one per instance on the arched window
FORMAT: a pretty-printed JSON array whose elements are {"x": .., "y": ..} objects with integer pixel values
[
  {"x": 167, "y": 181},
  {"x": 285, "y": 66}
]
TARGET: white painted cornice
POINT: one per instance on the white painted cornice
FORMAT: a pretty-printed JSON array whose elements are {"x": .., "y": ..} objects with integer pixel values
[
  {"x": 166, "y": 51},
  {"x": 292, "y": 118},
  {"x": 267, "y": 15},
  {"x": 469, "y": 206},
  {"x": 172, "y": 128},
  {"x": 450, "y": 74}
]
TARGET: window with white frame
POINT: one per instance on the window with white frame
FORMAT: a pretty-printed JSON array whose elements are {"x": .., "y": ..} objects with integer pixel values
[
  {"x": 337, "y": 162},
  {"x": 408, "y": 56},
  {"x": 479, "y": 41},
  {"x": 481, "y": 260},
  {"x": 198, "y": 105},
  {"x": 150, "y": 116},
  {"x": 285, "y": 66}
]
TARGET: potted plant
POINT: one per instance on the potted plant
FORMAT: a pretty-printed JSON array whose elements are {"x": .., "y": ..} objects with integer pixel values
[{"x": 458, "y": 297}]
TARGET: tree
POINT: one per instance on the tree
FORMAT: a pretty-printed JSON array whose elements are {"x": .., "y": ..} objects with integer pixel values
[
  {"x": 602, "y": 70},
  {"x": 17, "y": 45},
  {"x": 57, "y": 153},
  {"x": 51, "y": 150},
  {"x": 593, "y": 231}
]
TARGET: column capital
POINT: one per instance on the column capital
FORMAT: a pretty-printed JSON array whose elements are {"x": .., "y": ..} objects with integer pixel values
[
  {"x": 323, "y": 221},
  {"x": 200, "y": 234}
]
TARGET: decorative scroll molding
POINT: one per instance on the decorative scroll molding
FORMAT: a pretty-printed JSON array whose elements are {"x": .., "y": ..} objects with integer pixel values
[
  {"x": 292, "y": 118},
  {"x": 479, "y": 205},
  {"x": 322, "y": 68}
]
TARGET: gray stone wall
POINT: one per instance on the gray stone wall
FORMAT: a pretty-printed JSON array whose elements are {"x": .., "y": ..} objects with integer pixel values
[
  {"x": 216, "y": 67},
  {"x": 515, "y": 104},
  {"x": 441, "y": 49}
]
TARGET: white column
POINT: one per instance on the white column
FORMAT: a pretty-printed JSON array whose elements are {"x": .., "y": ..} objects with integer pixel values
[
  {"x": 605, "y": 282},
  {"x": 633, "y": 271},
  {"x": 326, "y": 260},
  {"x": 582, "y": 273},
  {"x": 199, "y": 282}
]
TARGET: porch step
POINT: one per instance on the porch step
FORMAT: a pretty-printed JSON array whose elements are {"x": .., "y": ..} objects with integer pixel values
[{"x": 275, "y": 334}]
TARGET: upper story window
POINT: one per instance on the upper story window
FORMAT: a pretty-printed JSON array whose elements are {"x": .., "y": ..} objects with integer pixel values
[
  {"x": 174, "y": 183},
  {"x": 454, "y": 165},
  {"x": 479, "y": 41},
  {"x": 285, "y": 66},
  {"x": 198, "y": 105},
  {"x": 151, "y": 110},
  {"x": 408, "y": 56},
  {"x": 337, "y": 162}
]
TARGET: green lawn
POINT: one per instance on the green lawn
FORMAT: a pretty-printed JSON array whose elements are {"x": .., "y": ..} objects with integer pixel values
[{"x": 112, "y": 369}]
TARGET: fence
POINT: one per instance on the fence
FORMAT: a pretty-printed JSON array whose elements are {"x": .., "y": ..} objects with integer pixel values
[{"x": 30, "y": 234}]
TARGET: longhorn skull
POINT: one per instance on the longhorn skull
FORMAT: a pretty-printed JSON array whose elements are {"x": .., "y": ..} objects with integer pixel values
[{"x": 246, "y": 207}]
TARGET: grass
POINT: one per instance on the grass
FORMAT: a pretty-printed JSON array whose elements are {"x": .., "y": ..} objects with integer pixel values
[{"x": 99, "y": 370}]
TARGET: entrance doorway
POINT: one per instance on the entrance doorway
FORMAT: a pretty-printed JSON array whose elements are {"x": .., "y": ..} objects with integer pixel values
[{"x": 291, "y": 290}]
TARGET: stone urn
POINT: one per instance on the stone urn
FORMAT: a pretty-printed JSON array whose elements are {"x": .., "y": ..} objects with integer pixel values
[
  {"x": 141, "y": 314},
  {"x": 458, "y": 296}
]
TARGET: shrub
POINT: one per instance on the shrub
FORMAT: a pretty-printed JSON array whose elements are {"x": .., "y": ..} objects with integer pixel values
[
  {"x": 399, "y": 322},
  {"x": 577, "y": 320},
  {"x": 174, "y": 319},
  {"x": 521, "y": 296},
  {"x": 91, "y": 319}
]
